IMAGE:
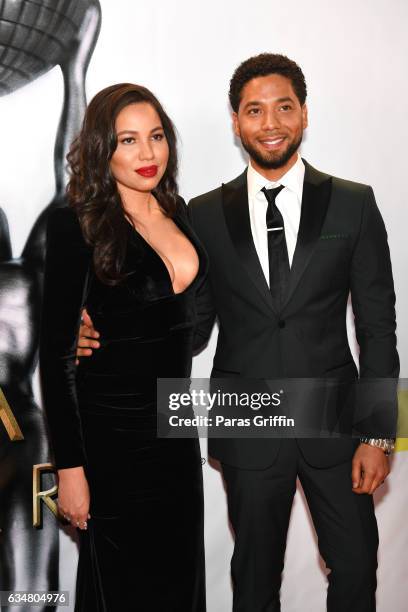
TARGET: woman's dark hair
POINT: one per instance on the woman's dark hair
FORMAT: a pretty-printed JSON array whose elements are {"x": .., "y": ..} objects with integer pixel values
[
  {"x": 92, "y": 189},
  {"x": 264, "y": 65}
]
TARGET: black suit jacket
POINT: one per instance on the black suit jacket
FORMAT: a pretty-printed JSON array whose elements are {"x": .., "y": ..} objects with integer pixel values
[{"x": 341, "y": 248}]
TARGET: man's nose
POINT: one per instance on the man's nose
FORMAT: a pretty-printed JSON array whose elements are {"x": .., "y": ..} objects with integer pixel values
[{"x": 271, "y": 120}]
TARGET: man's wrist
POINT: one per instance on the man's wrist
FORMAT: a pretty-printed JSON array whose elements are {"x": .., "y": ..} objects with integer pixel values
[{"x": 385, "y": 444}]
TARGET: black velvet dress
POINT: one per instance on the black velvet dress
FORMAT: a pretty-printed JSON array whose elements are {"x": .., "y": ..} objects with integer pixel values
[{"x": 143, "y": 550}]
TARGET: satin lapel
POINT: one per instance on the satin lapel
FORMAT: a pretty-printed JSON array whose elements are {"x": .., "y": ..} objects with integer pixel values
[
  {"x": 236, "y": 212},
  {"x": 315, "y": 200}
]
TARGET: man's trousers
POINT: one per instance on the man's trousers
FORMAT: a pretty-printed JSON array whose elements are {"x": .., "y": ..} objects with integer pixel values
[{"x": 259, "y": 505}]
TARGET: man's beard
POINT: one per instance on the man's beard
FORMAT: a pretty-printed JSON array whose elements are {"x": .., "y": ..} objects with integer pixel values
[{"x": 271, "y": 160}]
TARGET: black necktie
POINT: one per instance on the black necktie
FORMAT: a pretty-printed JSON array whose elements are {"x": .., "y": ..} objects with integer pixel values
[{"x": 279, "y": 269}]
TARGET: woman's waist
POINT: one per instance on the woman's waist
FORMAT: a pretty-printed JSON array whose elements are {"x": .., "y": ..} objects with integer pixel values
[
  {"x": 153, "y": 320},
  {"x": 127, "y": 389},
  {"x": 131, "y": 361}
]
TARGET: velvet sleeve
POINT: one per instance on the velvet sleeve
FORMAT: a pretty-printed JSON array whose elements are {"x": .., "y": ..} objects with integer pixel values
[{"x": 65, "y": 285}]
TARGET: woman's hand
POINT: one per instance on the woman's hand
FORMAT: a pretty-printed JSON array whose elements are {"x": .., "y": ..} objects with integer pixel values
[{"x": 73, "y": 496}]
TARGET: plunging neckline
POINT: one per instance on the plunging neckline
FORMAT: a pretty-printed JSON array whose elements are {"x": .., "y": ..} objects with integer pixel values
[{"x": 163, "y": 263}]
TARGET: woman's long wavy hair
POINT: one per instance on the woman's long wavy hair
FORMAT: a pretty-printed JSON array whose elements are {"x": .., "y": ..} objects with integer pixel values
[{"x": 92, "y": 189}]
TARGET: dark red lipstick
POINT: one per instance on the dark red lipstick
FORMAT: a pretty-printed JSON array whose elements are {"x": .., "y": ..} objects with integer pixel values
[{"x": 147, "y": 171}]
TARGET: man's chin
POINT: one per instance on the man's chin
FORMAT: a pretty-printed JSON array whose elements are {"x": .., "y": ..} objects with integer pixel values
[{"x": 272, "y": 162}]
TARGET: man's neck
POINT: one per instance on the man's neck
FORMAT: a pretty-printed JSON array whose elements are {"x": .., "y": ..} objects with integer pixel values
[{"x": 274, "y": 174}]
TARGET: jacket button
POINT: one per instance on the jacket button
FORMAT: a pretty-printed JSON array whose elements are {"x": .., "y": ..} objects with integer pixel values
[{"x": 281, "y": 324}]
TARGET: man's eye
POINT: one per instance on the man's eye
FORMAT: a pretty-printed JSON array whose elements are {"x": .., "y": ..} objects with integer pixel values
[
  {"x": 253, "y": 111},
  {"x": 286, "y": 107}
]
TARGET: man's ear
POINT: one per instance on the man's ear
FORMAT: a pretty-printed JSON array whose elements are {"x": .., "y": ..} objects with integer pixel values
[
  {"x": 236, "y": 124},
  {"x": 305, "y": 118}
]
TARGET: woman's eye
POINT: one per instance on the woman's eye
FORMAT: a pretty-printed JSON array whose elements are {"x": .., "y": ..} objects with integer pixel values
[
  {"x": 128, "y": 140},
  {"x": 158, "y": 137}
]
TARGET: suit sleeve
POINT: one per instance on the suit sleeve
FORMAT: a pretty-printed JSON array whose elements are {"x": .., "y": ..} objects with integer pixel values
[
  {"x": 373, "y": 297},
  {"x": 205, "y": 307},
  {"x": 65, "y": 283}
]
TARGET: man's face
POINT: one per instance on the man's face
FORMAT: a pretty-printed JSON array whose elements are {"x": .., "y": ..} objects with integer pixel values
[{"x": 270, "y": 122}]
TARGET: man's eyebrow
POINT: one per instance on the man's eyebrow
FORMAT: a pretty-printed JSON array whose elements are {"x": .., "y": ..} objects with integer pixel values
[
  {"x": 285, "y": 99},
  {"x": 258, "y": 102},
  {"x": 252, "y": 103}
]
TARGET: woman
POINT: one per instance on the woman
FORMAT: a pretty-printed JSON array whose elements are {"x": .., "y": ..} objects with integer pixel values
[{"x": 125, "y": 250}]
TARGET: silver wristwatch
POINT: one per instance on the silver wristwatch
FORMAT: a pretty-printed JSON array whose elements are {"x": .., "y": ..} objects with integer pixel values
[{"x": 385, "y": 444}]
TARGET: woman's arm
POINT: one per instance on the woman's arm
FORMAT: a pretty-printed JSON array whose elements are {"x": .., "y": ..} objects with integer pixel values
[{"x": 65, "y": 285}]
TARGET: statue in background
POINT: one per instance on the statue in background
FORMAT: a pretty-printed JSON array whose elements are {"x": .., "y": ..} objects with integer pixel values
[{"x": 35, "y": 36}]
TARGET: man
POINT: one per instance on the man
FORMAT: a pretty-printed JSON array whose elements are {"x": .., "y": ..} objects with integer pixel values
[{"x": 287, "y": 244}]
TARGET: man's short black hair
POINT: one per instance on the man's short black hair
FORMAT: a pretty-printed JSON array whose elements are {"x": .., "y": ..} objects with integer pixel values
[{"x": 264, "y": 65}]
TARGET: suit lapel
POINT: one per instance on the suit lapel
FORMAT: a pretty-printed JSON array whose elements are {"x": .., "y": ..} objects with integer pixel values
[
  {"x": 236, "y": 212},
  {"x": 315, "y": 200}
]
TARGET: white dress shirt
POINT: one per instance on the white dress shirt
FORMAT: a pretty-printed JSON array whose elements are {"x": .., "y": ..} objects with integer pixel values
[{"x": 288, "y": 201}]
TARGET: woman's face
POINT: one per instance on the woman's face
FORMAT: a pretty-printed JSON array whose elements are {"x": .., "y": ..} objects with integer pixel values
[{"x": 142, "y": 152}]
